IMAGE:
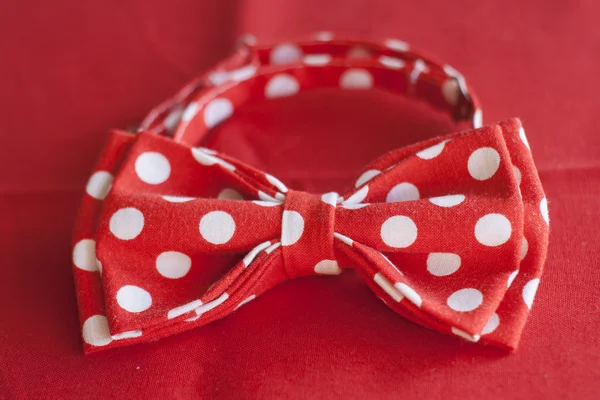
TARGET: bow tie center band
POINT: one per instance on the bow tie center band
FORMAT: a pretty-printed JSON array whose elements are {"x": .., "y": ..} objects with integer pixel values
[{"x": 451, "y": 232}]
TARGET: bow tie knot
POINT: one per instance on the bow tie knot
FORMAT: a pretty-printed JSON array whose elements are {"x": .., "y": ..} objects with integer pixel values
[{"x": 307, "y": 228}]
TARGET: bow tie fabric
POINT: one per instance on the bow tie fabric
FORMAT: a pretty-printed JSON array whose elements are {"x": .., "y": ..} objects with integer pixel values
[{"x": 451, "y": 233}]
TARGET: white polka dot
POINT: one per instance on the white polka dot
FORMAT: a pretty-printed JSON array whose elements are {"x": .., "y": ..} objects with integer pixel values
[
  {"x": 343, "y": 239},
  {"x": 493, "y": 230},
  {"x": 328, "y": 267},
  {"x": 183, "y": 309},
  {"x": 265, "y": 197},
  {"x": 544, "y": 210},
  {"x": 399, "y": 231},
  {"x": 281, "y": 85},
  {"x": 442, "y": 264},
  {"x": 483, "y": 163},
  {"x": 190, "y": 112},
  {"x": 324, "y": 36},
  {"x": 529, "y": 291},
  {"x": 450, "y": 200},
  {"x": 173, "y": 119},
  {"x": 477, "y": 119},
  {"x": 397, "y": 44},
  {"x": 218, "y": 77},
  {"x": 292, "y": 227},
  {"x": 207, "y": 150},
  {"x": 95, "y": 331},
  {"x": 524, "y": 248},
  {"x": 177, "y": 199},
  {"x": 238, "y": 75},
  {"x": 99, "y": 184},
  {"x": 152, "y": 167},
  {"x": 286, "y": 53},
  {"x": 277, "y": 183},
  {"x": 255, "y": 252},
  {"x": 418, "y": 68},
  {"x": 387, "y": 286},
  {"x": 173, "y": 264},
  {"x": 217, "y": 227},
  {"x": 465, "y": 335},
  {"x": 266, "y": 203},
  {"x": 357, "y": 197},
  {"x": 99, "y": 266},
  {"x": 464, "y": 300},
  {"x": 366, "y": 176},
  {"x": 204, "y": 157},
  {"x": 517, "y": 174},
  {"x": 451, "y": 91},
  {"x": 84, "y": 255},
  {"x": 134, "y": 299},
  {"x": 249, "y": 39},
  {"x": 272, "y": 247},
  {"x": 246, "y": 301},
  {"x": 403, "y": 192},
  {"x": 241, "y": 74},
  {"x": 229, "y": 194},
  {"x": 127, "y": 335},
  {"x": 317, "y": 59},
  {"x": 358, "y": 52},
  {"x": 433, "y": 151},
  {"x": 354, "y": 206},
  {"x": 211, "y": 304},
  {"x": 448, "y": 69},
  {"x": 512, "y": 277},
  {"x": 409, "y": 293},
  {"x": 126, "y": 223},
  {"x": 356, "y": 78},
  {"x": 330, "y": 198},
  {"x": 491, "y": 325},
  {"x": 217, "y": 111},
  {"x": 523, "y": 137},
  {"x": 392, "y": 62}
]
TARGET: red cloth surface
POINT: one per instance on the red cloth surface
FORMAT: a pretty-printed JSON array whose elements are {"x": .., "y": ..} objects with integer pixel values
[{"x": 72, "y": 70}]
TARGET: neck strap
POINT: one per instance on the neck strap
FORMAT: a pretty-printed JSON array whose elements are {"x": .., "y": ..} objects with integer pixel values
[{"x": 255, "y": 72}]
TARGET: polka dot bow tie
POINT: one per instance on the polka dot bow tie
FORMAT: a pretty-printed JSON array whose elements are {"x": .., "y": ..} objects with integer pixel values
[{"x": 451, "y": 233}]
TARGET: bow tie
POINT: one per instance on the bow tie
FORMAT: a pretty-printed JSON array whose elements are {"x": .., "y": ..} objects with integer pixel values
[{"x": 451, "y": 233}]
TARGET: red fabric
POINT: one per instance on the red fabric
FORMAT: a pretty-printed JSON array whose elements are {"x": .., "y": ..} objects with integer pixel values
[{"x": 60, "y": 95}]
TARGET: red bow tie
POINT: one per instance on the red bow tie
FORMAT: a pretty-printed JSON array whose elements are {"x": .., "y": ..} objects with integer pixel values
[{"x": 451, "y": 233}]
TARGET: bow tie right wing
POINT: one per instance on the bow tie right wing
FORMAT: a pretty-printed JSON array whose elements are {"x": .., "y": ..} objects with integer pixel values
[{"x": 456, "y": 221}]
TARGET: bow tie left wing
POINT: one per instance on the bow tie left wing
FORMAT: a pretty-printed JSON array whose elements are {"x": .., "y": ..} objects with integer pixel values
[{"x": 144, "y": 263}]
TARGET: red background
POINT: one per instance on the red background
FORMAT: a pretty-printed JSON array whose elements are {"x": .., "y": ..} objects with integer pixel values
[{"x": 70, "y": 70}]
